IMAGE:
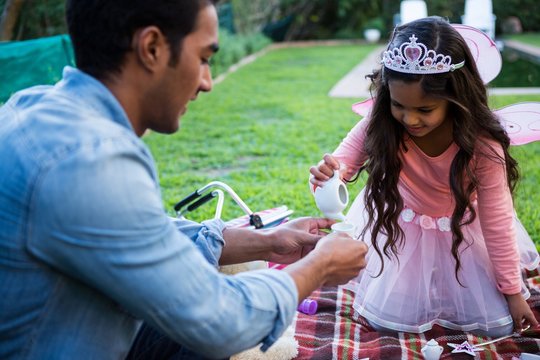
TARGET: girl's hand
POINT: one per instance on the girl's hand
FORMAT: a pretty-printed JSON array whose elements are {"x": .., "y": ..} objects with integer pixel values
[
  {"x": 324, "y": 170},
  {"x": 521, "y": 312}
]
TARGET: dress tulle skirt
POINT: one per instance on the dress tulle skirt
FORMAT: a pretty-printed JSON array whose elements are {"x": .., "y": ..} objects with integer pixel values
[{"x": 421, "y": 289}]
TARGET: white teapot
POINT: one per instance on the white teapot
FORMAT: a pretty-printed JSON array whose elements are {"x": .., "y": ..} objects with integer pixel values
[
  {"x": 332, "y": 198},
  {"x": 432, "y": 350}
]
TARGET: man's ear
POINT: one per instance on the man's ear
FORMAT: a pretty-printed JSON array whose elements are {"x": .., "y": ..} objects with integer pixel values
[{"x": 151, "y": 48}]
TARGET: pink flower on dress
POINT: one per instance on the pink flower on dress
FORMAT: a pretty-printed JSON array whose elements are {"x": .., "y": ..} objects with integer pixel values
[
  {"x": 426, "y": 222},
  {"x": 407, "y": 215},
  {"x": 444, "y": 223}
]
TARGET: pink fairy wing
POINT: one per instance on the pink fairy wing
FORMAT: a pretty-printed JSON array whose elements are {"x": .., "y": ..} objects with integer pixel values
[
  {"x": 521, "y": 121},
  {"x": 364, "y": 107},
  {"x": 484, "y": 51}
]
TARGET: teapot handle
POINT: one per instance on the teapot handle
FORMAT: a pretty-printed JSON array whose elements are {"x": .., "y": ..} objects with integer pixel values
[
  {"x": 313, "y": 187},
  {"x": 336, "y": 176}
]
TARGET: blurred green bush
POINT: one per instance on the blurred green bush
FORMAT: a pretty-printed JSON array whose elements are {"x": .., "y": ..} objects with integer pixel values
[
  {"x": 313, "y": 19},
  {"x": 234, "y": 47}
]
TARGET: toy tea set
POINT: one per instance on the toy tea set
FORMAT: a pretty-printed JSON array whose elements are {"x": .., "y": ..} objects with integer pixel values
[{"x": 331, "y": 199}]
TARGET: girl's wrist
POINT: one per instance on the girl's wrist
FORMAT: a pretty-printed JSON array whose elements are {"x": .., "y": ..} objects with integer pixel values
[{"x": 511, "y": 297}]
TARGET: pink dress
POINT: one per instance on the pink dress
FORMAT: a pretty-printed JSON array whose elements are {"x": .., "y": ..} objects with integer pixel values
[{"x": 421, "y": 289}]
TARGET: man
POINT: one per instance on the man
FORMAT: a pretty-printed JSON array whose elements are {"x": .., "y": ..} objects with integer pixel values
[{"x": 86, "y": 249}]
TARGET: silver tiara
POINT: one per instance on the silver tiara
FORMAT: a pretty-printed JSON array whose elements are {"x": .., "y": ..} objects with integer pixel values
[{"x": 414, "y": 58}]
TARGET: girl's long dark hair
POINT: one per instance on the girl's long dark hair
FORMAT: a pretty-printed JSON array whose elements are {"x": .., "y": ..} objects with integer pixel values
[{"x": 472, "y": 120}]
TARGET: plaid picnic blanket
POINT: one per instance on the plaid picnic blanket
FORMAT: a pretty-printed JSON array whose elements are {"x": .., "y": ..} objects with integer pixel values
[{"x": 336, "y": 332}]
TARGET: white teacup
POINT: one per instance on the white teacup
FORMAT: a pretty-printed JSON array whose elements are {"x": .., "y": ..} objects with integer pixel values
[
  {"x": 332, "y": 198},
  {"x": 344, "y": 227}
]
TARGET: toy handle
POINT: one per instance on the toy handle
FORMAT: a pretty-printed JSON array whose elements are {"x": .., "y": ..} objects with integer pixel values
[{"x": 186, "y": 200}]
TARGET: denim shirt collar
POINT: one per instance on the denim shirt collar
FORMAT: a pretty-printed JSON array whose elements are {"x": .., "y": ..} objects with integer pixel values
[{"x": 96, "y": 95}]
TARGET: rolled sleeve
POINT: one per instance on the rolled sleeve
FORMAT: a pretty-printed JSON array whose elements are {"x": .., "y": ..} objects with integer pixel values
[
  {"x": 286, "y": 290},
  {"x": 256, "y": 306},
  {"x": 283, "y": 288},
  {"x": 208, "y": 236}
]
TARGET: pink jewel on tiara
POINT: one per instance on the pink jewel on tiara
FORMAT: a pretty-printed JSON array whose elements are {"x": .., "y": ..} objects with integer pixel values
[{"x": 414, "y": 58}]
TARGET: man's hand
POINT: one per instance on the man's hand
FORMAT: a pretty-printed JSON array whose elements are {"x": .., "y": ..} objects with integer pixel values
[
  {"x": 283, "y": 244},
  {"x": 336, "y": 259},
  {"x": 344, "y": 257},
  {"x": 293, "y": 240},
  {"x": 315, "y": 257}
]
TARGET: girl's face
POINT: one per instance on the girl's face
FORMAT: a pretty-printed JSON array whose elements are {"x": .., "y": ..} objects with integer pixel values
[{"x": 419, "y": 113}]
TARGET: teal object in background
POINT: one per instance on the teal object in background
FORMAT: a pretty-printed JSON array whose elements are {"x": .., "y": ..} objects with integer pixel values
[
  {"x": 33, "y": 62},
  {"x": 226, "y": 17}
]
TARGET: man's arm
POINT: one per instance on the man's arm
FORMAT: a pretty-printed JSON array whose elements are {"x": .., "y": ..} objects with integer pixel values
[
  {"x": 283, "y": 244},
  {"x": 243, "y": 245},
  {"x": 112, "y": 235},
  {"x": 318, "y": 259}
]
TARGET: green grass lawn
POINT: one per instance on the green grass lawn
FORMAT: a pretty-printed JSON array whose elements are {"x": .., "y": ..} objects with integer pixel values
[
  {"x": 527, "y": 38},
  {"x": 261, "y": 129}
]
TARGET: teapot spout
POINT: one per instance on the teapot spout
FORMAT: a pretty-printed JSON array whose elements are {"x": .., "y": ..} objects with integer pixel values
[{"x": 338, "y": 216}]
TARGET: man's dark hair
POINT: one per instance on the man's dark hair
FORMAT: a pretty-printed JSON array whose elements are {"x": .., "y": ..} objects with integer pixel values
[{"x": 102, "y": 30}]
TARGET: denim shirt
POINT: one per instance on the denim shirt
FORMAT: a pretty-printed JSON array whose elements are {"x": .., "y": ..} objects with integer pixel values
[{"x": 87, "y": 251}]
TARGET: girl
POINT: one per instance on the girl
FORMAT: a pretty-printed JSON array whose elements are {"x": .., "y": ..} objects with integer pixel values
[{"x": 446, "y": 247}]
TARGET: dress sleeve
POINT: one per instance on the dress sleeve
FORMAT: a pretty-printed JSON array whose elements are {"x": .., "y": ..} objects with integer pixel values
[
  {"x": 496, "y": 214},
  {"x": 350, "y": 152},
  {"x": 97, "y": 216}
]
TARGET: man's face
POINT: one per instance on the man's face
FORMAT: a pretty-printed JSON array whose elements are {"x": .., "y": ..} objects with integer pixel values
[{"x": 182, "y": 82}]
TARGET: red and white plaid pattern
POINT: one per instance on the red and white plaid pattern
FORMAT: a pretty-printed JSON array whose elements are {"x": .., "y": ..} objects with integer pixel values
[{"x": 335, "y": 332}]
